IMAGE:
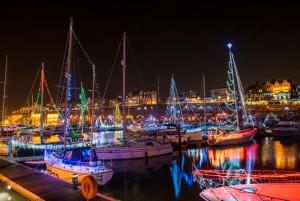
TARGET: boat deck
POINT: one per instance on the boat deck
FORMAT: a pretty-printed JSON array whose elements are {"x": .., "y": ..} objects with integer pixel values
[{"x": 40, "y": 184}]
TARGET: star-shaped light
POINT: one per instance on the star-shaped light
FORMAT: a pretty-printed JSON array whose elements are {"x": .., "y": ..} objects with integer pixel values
[{"x": 229, "y": 45}]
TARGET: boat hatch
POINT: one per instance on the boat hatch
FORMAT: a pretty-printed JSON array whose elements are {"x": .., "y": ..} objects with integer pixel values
[{"x": 248, "y": 190}]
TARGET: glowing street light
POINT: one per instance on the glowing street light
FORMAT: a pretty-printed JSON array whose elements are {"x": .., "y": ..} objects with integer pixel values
[{"x": 229, "y": 45}]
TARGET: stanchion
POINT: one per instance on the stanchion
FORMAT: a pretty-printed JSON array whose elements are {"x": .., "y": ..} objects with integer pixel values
[{"x": 75, "y": 181}]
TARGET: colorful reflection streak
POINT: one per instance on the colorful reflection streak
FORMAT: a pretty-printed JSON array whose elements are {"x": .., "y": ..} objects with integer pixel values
[
  {"x": 184, "y": 170},
  {"x": 233, "y": 158},
  {"x": 279, "y": 154},
  {"x": 228, "y": 159}
]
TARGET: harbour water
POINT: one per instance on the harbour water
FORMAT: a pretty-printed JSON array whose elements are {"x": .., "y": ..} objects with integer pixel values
[{"x": 170, "y": 177}]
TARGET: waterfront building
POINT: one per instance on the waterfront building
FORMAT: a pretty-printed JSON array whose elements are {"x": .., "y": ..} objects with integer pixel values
[
  {"x": 270, "y": 91},
  {"x": 219, "y": 95},
  {"x": 141, "y": 98}
]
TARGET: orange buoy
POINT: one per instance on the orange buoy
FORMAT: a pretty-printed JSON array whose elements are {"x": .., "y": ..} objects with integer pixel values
[{"x": 89, "y": 187}]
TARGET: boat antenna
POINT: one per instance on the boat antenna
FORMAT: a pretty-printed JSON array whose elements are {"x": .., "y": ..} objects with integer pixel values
[
  {"x": 4, "y": 91},
  {"x": 123, "y": 63},
  {"x": 68, "y": 82}
]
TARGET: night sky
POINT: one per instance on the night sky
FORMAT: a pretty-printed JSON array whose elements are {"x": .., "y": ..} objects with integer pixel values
[{"x": 183, "y": 38}]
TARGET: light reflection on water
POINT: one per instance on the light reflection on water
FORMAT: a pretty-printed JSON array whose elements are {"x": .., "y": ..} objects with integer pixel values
[{"x": 171, "y": 177}]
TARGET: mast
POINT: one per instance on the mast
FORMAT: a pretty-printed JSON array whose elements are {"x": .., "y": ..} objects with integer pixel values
[
  {"x": 4, "y": 91},
  {"x": 157, "y": 96},
  {"x": 123, "y": 63},
  {"x": 157, "y": 88},
  {"x": 42, "y": 103},
  {"x": 234, "y": 87},
  {"x": 68, "y": 78},
  {"x": 93, "y": 106},
  {"x": 204, "y": 100}
]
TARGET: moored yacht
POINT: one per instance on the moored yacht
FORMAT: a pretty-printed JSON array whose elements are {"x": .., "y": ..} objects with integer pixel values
[
  {"x": 224, "y": 138},
  {"x": 235, "y": 95},
  {"x": 135, "y": 149},
  {"x": 80, "y": 161}
]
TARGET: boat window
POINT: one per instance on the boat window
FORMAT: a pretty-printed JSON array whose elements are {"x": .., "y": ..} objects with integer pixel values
[
  {"x": 68, "y": 155},
  {"x": 86, "y": 153},
  {"x": 149, "y": 143}
]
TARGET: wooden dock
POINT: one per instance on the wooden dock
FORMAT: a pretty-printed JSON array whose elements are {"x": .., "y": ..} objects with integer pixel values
[{"x": 40, "y": 185}]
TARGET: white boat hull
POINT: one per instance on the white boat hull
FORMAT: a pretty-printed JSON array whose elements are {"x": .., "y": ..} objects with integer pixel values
[
  {"x": 122, "y": 152},
  {"x": 102, "y": 177}
]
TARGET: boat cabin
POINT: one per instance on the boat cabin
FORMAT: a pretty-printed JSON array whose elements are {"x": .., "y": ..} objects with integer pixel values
[{"x": 79, "y": 156}]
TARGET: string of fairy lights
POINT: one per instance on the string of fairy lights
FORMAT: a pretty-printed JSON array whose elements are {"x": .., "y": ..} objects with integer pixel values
[{"x": 235, "y": 93}]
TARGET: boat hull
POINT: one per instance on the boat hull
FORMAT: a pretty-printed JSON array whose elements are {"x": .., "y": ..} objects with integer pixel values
[
  {"x": 239, "y": 138},
  {"x": 102, "y": 177},
  {"x": 132, "y": 152},
  {"x": 267, "y": 192}
]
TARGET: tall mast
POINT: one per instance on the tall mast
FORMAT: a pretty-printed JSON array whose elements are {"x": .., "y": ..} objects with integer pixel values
[
  {"x": 157, "y": 96},
  {"x": 204, "y": 100},
  {"x": 42, "y": 103},
  {"x": 234, "y": 87},
  {"x": 4, "y": 91},
  {"x": 124, "y": 82},
  {"x": 93, "y": 105},
  {"x": 68, "y": 82},
  {"x": 157, "y": 88}
]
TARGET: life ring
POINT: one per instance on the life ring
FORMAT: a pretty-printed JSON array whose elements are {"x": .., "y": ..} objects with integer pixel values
[{"x": 89, "y": 187}]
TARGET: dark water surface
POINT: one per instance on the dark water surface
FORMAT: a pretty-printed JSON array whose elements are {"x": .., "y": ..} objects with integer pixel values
[{"x": 170, "y": 177}]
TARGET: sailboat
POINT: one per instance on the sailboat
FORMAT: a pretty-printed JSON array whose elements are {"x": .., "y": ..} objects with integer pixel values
[
  {"x": 81, "y": 161},
  {"x": 33, "y": 141},
  {"x": 234, "y": 134},
  {"x": 189, "y": 132},
  {"x": 138, "y": 148}
]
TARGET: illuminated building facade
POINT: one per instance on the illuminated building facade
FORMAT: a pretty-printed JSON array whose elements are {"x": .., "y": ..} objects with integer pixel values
[
  {"x": 141, "y": 98},
  {"x": 220, "y": 95},
  {"x": 270, "y": 91},
  {"x": 190, "y": 97}
]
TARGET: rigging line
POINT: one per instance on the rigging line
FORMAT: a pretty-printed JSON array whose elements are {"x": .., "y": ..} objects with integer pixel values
[
  {"x": 62, "y": 69},
  {"x": 135, "y": 65},
  {"x": 45, "y": 81},
  {"x": 112, "y": 69},
  {"x": 88, "y": 58},
  {"x": 75, "y": 67},
  {"x": 84, "y": 51},
  {"x": 36, "y": 76}
]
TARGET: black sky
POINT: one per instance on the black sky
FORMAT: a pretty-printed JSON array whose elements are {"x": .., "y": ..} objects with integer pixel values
[{"x": 183, "y": 38}]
